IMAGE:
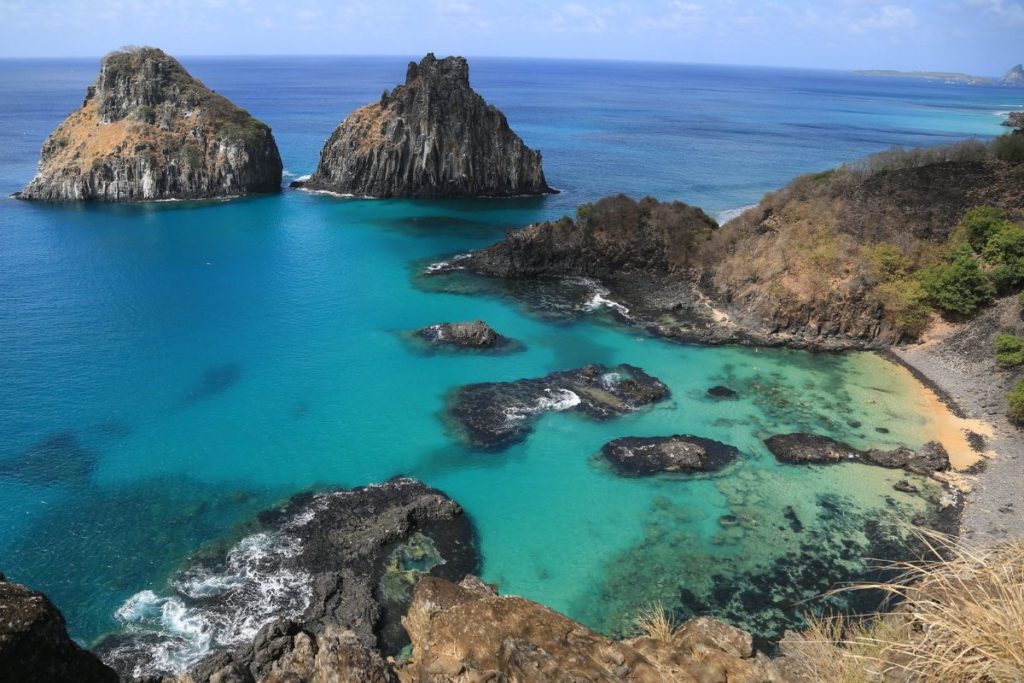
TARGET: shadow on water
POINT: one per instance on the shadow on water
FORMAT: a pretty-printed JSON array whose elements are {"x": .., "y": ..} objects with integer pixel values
[
  {"x": 58, "y": 459},
  {"x": 213, "y": 382},
  {"x": 111, "y": 542}
]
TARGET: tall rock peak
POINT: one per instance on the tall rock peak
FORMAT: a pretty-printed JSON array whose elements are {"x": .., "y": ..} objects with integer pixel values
[
  {"x": 1015, "y": 76},
  {"x": 433, "y": 136},
  {"x": 148, "y": 130}
]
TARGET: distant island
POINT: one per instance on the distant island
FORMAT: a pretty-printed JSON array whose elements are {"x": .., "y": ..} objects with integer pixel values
[
  {"x": 945, "y": 76},
  {"x": 1014, "y": 76}
]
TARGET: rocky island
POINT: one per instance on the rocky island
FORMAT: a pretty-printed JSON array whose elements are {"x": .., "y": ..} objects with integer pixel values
[
  {"x": 1014, "y": 76},
  {"x": 432, "y": 137},
  {"x": 148, "y": 130}
]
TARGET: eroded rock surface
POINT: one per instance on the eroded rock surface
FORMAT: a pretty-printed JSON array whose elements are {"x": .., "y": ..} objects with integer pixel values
[
  {"x": 638, "y": 456},
  {"x": 464, "y": 335},
  {"x": 811, "y": 448},
  {"x": 466, "y": 632},
  {"x": 494, "y": 415},
  {"x": 35, "y": 646},
  {"x": 432, "y": 137},
  {"x": 341, "y": 559},
  {"x": 148, "y": 130}
]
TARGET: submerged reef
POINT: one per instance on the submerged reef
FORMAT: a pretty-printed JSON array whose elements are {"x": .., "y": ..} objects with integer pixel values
[
  {"x": 638, "y": 456},
  {"x": 213, "y": 382},
  {"x": 494, "y": 415},
  {"x": 813, "y": 448},
  {"x": 772, "y": 558},
  {"x": 432, "y": 137},
  {"x": 57, "y": 459},
  {"x": 148, "y": 130},
  {"x": 341, "y": 559}
]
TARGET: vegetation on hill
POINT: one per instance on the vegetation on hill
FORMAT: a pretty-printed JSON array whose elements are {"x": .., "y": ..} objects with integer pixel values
[{"x": 893, "y": 238}]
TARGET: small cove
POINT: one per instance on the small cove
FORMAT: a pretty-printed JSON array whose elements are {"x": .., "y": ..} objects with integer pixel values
[{"x": 214, "y": 358}]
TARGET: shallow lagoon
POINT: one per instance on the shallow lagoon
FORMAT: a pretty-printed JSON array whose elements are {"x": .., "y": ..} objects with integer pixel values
[{"x": 210, "y": 359}]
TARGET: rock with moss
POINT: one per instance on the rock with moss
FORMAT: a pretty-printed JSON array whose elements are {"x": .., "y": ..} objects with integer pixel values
[
  {"x": 432, "y": 137},
  {"x": 148, "y": 130}
]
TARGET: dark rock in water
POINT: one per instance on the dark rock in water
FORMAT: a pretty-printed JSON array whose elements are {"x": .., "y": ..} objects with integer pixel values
[
  {"x": 35, "y": 646},
  {"x": 215, "y": 380},
  {"x": 466, "y": 335},
  {"x": 854, "y": 424},
  {"x": 296, "y": 184},
  {"x": 494, "y": 415},
  {"x": 148, "y": 130},
  {"x": 615, "y": 235},
  {"x": 58, "y": 458},
  {"x": 905, "y": 486},
  {"x": 811, "y": 448},
  {"x": 636, "y": 456},
  {"x": 721, "y": 392},
  {"x": 794, "y": 522},
  {"x": 431, "y": 137},
  {"x": 931, "y": 457},
  {"x": 1015, "y": 119},
  {"x": 342, "y": 560},
  {"x": 882, "y": 430}
]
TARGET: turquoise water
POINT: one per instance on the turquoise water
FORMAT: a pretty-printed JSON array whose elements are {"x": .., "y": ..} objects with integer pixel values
[{"x": 209, "y": 359}]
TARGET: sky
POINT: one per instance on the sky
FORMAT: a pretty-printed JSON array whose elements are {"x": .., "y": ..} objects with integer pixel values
[{"x": 983, "y": 37}]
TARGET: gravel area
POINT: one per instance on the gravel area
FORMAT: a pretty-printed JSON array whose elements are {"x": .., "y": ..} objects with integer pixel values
[{"x": 959, "y": 361}]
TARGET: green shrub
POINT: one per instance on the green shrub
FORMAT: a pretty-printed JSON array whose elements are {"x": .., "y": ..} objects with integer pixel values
[
  {"x": 1009, "y": 350},
  {"x": 1015, "y": 409},
  {"x": 906, "y": 303},
  {"x": 1004, "y": 251},
  {"x": 1009, "y": 147},
  {"x": 959, "y": 286},
  {"x": 888, "y": 263},
  {"x": 980, "y": 223},
  {"x": 1020, "y": 299}
]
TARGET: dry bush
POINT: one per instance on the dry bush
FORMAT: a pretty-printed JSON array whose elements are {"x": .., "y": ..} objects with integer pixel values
[
  {"x": 957, "y": 619},
  {"x": 655, "y": 623}
]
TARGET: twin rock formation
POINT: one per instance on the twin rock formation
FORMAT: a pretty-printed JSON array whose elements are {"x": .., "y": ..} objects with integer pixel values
[{"x": 148, "y": 130}]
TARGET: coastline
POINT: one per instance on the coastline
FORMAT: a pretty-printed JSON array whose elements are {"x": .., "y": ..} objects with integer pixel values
[{"x": 974, "y": 388}]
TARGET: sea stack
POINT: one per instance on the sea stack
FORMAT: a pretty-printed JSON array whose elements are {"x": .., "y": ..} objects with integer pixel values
[
  {"x": 433, "y": 137},
  {"x": 1014, "y": 76},
  {"x": 148, "y": 130}
]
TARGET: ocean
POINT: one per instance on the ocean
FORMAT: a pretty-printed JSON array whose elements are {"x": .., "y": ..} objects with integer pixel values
[{"x": 171, "y": 369}]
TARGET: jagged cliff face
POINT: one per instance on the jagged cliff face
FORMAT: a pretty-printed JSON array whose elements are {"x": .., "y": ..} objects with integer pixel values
[
  {"x": 432, "y": 137},
  {"x": 147, "y": 130}
]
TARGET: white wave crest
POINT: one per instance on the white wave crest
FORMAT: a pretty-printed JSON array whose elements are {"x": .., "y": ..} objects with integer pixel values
[
  {"x": 554, "y": 400},
  {"x": 447, "y": 265}
]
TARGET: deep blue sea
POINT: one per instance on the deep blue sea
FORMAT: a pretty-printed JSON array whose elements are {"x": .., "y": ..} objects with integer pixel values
[{"x": 181, "y": 366}]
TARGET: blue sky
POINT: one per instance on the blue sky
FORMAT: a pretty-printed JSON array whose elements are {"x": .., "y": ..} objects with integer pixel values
[{"x": 976, "y": 36}]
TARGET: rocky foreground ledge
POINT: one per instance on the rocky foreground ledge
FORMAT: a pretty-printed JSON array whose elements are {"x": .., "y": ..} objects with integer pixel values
[
  {"x": 432, "y": 137},
  {"x": 148, "y": 130}
]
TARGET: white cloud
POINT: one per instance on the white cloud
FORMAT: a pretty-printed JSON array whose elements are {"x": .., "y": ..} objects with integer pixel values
[
  {"x": 1009, "y": 12},
  {"x": 886, "y": 18}
]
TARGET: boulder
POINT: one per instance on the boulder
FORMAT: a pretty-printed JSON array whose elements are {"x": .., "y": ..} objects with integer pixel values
[
  {"x": 494, "y": 415},
  {"x": 465, "y": 335},
  {"x": 637, "y": 456},
  {"x": 148, "y": 130},
  {"x": 432, "y": 137},
  {"x": 801, "y": 448},
  {"x": 721, "y": 392}
]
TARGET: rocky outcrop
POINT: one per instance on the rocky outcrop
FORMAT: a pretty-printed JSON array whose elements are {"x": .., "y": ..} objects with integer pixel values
[
  {"x": 638, "y": 456},
  {"x": 431, "y": 137},
  {"x": 494, "y": 415},
  {"x": 466, "y": 632},
  {"x": 148, "y": 130},
  {"x": 613, "y": 236},
  {"x": 345, "y": 560},
  {"x": 35, "y": 646},
  {"x": 1015, "y": 119},
  {"x": 1014, "y": 76},
  {"x": 801, "y": 449},
  {"x": 722, "y": 393},
  {"x": 464, "y": 335}
]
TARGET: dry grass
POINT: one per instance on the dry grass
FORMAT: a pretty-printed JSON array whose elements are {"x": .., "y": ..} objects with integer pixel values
[
  {"x": 655, "y": 623},
  {"x": 959, "y": 618}
]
